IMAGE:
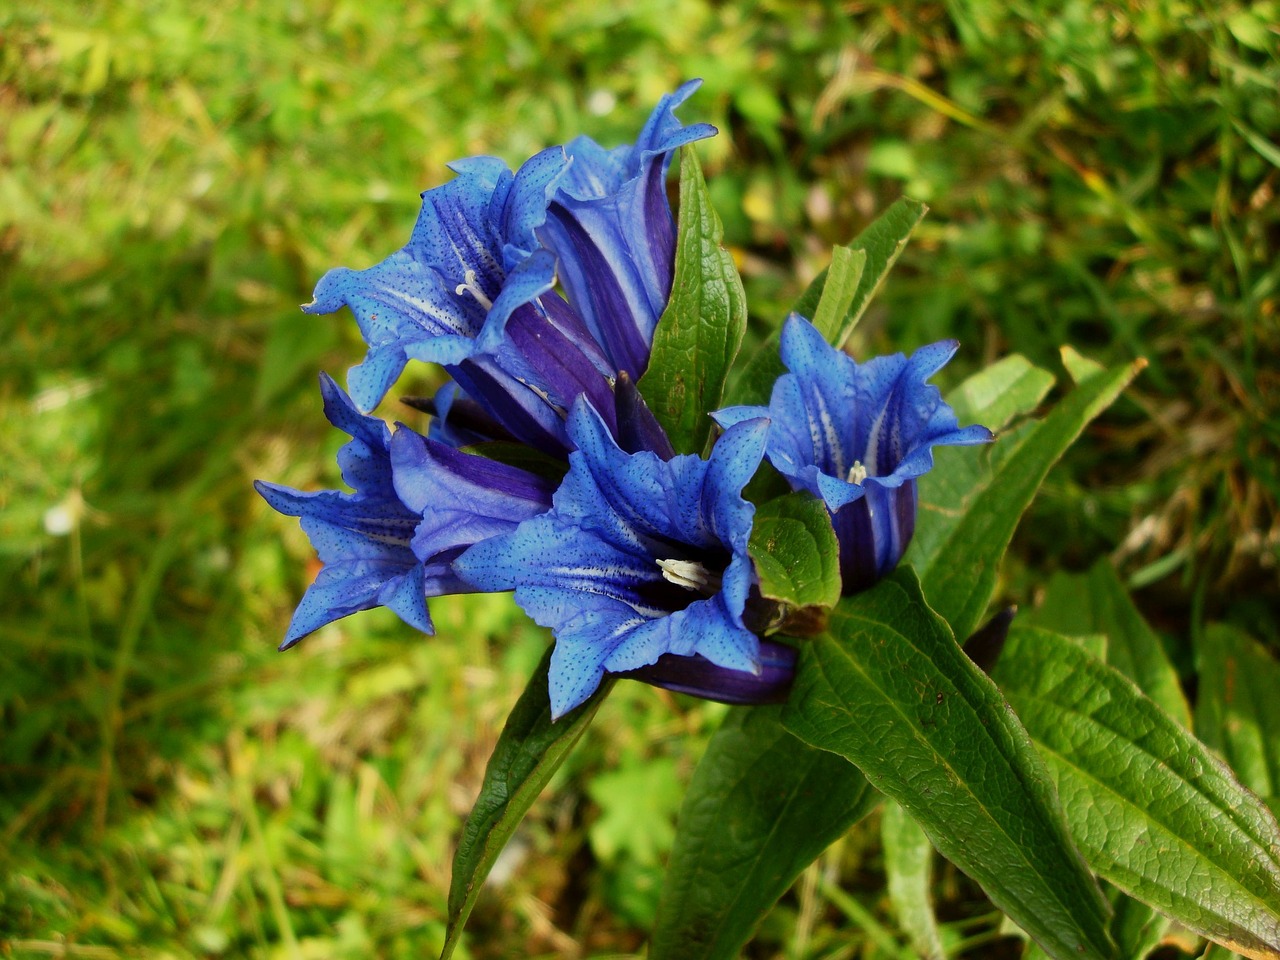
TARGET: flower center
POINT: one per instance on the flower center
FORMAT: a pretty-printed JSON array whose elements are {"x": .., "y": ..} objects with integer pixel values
[
  {"x": 470, "y": 286},
  {"x": 691, "y": 575},
  {"x": 857, "y": 473}
]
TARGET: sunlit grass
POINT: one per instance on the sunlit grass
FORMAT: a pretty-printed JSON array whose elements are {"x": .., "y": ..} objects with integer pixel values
[{"x": 173, "y": 180}]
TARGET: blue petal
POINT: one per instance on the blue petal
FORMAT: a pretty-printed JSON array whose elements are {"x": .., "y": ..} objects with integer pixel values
[
  {"x": 611, "y": 227},
  {"x": 829, "y": 414},
  {"x": 699, "y": 677},
  {"x": 462, "y": 498},
  {"x": 588, "y": 569},
  {"x": 363, "y": 461}
]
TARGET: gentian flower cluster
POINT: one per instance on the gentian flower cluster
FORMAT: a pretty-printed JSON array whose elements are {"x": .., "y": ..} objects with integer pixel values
[{"x": 539, "y": 292}]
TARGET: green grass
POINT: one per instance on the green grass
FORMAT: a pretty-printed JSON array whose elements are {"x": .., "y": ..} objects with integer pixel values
[{"x": 174, "y": 179}]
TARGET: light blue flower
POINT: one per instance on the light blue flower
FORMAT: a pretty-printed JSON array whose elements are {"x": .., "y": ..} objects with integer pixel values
[
  {"x": 638, "y": 557},
  {"x": 858, "y": 436},
  {"x": 417, "y": 505}
]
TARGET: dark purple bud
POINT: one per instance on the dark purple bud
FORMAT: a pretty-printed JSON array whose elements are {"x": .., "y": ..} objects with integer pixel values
[
  {"x": 984, "y": 647},
  {"x": 638, "y": 428},
  {"x": 874, "y": 532},
  {"x": 699, "y": 677}
]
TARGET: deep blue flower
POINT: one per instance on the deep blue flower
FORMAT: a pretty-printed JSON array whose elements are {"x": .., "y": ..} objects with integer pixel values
[
  {"x": 858, "y": 436},
  {"x": 611, "y": 228},
  {"x": 417, "y": 504},
  {"x": 471, "y": 260},
  {"x": 637, "y": 558},
  {"x": 472, "y": 289}
]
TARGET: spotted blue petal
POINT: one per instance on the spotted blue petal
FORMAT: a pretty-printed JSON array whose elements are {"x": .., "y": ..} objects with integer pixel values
[{"x": 589, "y": 568}]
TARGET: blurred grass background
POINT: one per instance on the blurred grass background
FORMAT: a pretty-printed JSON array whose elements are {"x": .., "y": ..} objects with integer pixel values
[{"x": 175, "y": 177}]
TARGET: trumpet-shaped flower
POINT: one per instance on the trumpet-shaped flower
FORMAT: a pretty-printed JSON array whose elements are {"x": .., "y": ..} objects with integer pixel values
[
  {"x": 858, "y": 436},
  {"x": 472, "y": 289},
  {"x": 611, "y": 228},
  {"x": 417, "y": 504},
  {"x": 638, "y": 557}
]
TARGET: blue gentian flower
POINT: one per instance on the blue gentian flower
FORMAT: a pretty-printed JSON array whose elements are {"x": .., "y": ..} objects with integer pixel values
[
  {"x": 448, "y": 293},
  {"x": 858, "y": 436},
  {"x": 611, "y": 228},
  {"x": 473, "y": 288},
  {"x": 637, "y": 558},
  {"x": 417, "y": 504}
]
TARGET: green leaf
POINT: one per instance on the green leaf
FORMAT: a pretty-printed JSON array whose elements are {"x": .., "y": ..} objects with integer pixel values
[
  {"x": 1150, "y": 807},
  {"x": 700, "y": 332},
  {"x": 847, "y": 266},
  {"x": 880, "y": 244},
  {"x": 1097, "y": 602},
  {"x": 797, "y": 557},
  {"x": 754, "y": 385},
  {"x": 888, "y": 688},
  {"x": 882, "y": 241},
  {"x": 529, "y": 751},
  {"x": 1238, "y": 709},
  {"x": 1137, "y": 927},
  {"x": 961, "y": 587},
  {"x": 908, "y": 866},
  {"x": 762, "y": 806},
  {"x": 994, "y": 397}
]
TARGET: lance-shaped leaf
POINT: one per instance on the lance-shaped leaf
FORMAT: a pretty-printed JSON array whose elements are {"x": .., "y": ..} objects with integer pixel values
[
  {"x": 908, "y": 867},
  {"x": 797, "y": 557},
  {"x": 997, "y": 396},
  {"x": 961, "y": 578},
  {"x": 1151, "y": 808},
  {"x": 1097, "y": 602},
  {"x": 882, "y": 241},
  {"x": 699, "y": 333},
  {"x": 862, "y": 266},
  {"x": 529, "y": 751},
  {"x": 888, "y": 688},
  {"x": 1238, "y": 710},
  {"x": 762, "y": 806},
  {"x": 835, "y": 306}
]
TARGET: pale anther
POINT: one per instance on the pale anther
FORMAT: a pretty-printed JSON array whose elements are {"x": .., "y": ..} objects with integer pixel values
[
  {"x": 857, "y": 473},
  {"x": 470, "y": 286},
  {"x": 689, "y": 574}
]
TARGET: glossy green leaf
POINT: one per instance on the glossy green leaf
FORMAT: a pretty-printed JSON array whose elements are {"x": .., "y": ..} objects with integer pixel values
[
  {"x": 880, "y": 244},
  {"x": 961, "y": 586},
  {"x": 888, "y": 688},
  {"x": 1151, "y": 808},
  {"x": 1238, "y": 710},
  {"x": 908, "y": 867},
  {"x": 1097, "y": 602},
  {"x": 529, "y": 750},
  {"x": 796, "y": 554},
  {"x": 762, "y": 806},
  {"x": 700, "y": 332}
]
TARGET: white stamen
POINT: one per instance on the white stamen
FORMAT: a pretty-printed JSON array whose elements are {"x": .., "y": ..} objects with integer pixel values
[
  {"x": 857, "y": 473},
  {"x": 689, "y": 574},
  {"x": 472, "y": 288}
]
